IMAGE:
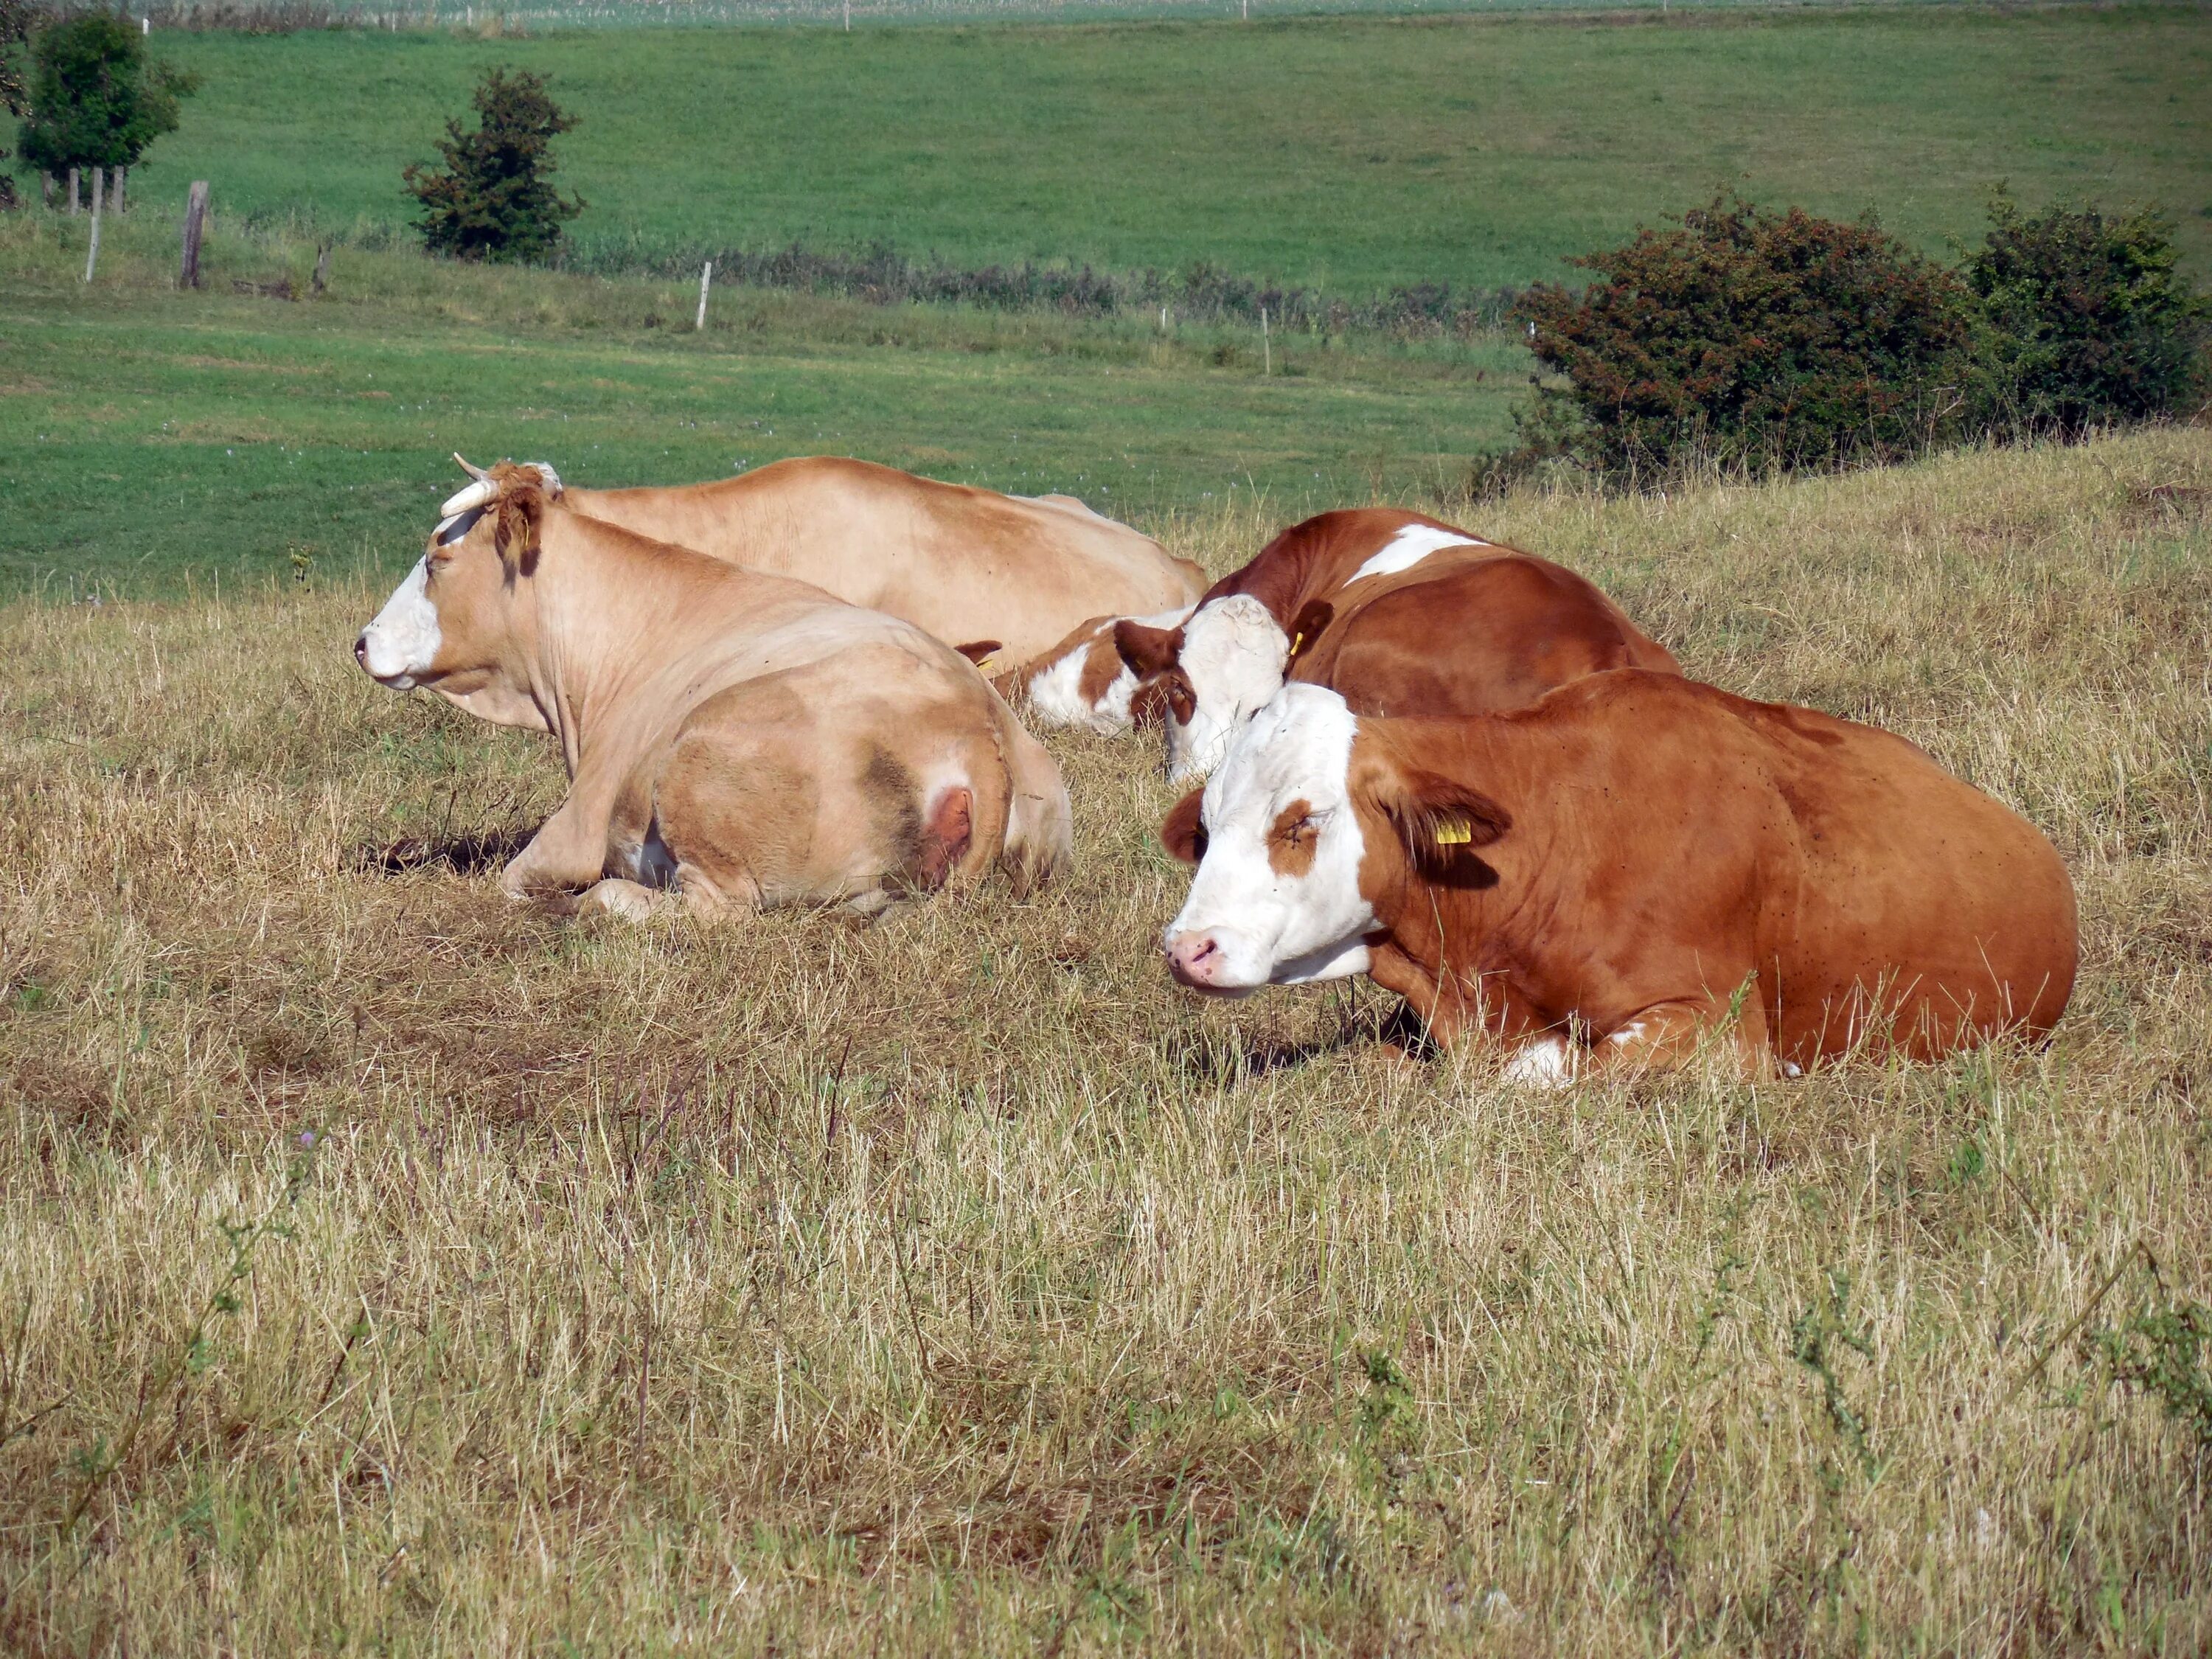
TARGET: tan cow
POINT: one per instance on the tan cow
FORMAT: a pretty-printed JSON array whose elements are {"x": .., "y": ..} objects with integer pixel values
[
  {"x": 1001, "y": 576},
  {"x": 742, "y": 740},
  {"x": 1633, "y": 866}
]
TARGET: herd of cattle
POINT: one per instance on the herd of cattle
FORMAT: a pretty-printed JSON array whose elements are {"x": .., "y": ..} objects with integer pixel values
[{"x": 1435, "y": 760}]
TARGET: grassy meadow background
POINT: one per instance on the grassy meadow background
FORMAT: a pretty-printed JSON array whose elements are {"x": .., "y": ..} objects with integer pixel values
[
  {"x": 956, "y": 1284},
  {"x": 384, "y": 1269}
]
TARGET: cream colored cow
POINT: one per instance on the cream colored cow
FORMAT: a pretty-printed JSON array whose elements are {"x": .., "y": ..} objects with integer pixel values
[{"x": 740, "y": 739}]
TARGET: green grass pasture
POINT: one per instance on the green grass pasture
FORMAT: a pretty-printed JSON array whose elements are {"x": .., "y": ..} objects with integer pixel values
[
  {"x": 1351, "y": 153},
  {"x": 156, "y": 435}
]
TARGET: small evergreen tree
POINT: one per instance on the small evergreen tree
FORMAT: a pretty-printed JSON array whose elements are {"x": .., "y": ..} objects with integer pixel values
[
  {"x": 95, "y": 99},
  {"x": 493, "y": 199},
  {"x": 2086, "y": 321}
]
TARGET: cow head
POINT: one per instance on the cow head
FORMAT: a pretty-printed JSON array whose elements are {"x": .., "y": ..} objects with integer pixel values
[
  {"x": 452, "y": 626},
  {"x": 1312, "y": 821},
  {"x": 1211, "y": 673}
]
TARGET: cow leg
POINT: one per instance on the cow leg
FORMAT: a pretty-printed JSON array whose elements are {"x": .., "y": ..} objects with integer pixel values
[
  {"x": 1671, "y": 1035},
  {"x": 568, "y": 851},
  {"x": 708, "y": 900}
]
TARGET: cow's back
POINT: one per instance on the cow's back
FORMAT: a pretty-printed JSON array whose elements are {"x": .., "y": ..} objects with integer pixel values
[
  {"x": 964, "y": 564},
  {"x": 1865, "y": 865},
  {"x": 1910, "y": 870},
  {"x": 1470, "y": 630}
]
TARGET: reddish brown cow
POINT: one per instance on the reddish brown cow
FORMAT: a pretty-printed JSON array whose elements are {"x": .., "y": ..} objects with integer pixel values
[
  {"x": 1403, "y": 614},
  {"x": 1633, "y": 866}
]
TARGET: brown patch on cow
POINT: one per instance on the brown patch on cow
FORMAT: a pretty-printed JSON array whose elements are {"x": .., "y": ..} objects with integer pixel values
[
  {"x": 1147, "y": 650},
  {"x": 1102, "y": 666},
  {"x": 516, "y": 530},
  {"x": 945, "y": 835},
  {"x": 1182, "y": 832},
  {"x": 1148, "y": 705},
  {"x": 1316, "y": 615},
  {"x": 1292, "y": 840}
]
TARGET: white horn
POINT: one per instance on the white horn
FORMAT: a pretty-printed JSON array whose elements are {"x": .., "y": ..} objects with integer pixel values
[
  {"x": 482, "y": 492},
  {"x": 476, "y": 472},
  {"x": 545, "y": 470}
]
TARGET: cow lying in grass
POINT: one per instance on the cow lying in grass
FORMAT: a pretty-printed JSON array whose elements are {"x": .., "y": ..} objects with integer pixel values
[
  {"x": 1402, "y": 614},
  {"x": 1001, "y": 577},
  {"x": 740, "y": 739},
  {"x": 1633, "y": 867}
]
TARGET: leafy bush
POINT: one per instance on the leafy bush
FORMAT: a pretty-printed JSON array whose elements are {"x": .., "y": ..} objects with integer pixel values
[
  {"x": 493, "y": 200},
  {"x": 1751, "y": 338},
  {"x": 95, "y": 99},
  {"x": 2085, "y": 321}
]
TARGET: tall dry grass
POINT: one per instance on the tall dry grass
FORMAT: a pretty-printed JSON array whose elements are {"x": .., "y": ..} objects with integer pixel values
[{"x": 384, "y": 1269}]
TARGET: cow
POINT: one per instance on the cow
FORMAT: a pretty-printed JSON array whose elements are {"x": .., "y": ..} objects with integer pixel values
[
  {"x": 741, "y": 739},
  {"x": 1001, "y": 577},
  {"x": 1635, "y": 866},
  {"x": 1403, "y": 614},
  {"x": 1082, "y": 681}
]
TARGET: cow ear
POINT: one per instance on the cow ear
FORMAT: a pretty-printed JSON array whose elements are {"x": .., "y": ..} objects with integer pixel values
[
  {"x": 1441, "y": 822},
  {"x": 979, "y": 651},
  {"x": 516, "y": 531},
  {"x": 1316, "y": 615},
  {"x": 1183, "y": 830},
  {"x": 1148, "y": 651}
]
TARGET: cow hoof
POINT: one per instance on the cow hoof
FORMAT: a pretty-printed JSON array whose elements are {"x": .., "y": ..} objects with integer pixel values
[{"x": 625, "y": 899}]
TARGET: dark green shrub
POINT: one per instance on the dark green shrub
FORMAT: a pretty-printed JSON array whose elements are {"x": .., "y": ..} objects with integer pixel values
[
  {"x": 95, "y": 99},
  {"x": 1749, "y": 338},
  {"x": 2085, "y": 320},
  {"x": 493, "y": 199}
]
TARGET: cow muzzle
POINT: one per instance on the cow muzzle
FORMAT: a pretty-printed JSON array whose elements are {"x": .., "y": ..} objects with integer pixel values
[{"x": 1200, "y": 961}]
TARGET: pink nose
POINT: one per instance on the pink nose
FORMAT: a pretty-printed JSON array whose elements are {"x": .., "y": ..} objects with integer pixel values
[{"x": 1195, "y": 958}]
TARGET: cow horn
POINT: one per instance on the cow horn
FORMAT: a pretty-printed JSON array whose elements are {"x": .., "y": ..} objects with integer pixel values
[
  {"x": 545, "y": 470},
  {"x": 476, "y": 472},
  {"x": 482, "y": 492}
]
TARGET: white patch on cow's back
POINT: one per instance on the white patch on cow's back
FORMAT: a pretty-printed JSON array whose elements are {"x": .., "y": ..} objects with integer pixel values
[
  {"x": 402, "y": 641},
  {"x": 1233, "y": 654},
  {"x": 1544, "y": 1062},
  {"x": 1410, "y": 546},
  {"x": 1268, "y": 926}
]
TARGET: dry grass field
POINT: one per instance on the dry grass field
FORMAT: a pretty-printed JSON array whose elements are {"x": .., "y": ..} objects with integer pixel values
[{"x": 384, "y": 1268}]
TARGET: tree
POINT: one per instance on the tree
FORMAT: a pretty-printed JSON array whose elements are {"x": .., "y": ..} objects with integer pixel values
[
  {"x": 1751, "y": 338},
  {"x": 15, "y": 91},
  {"x": 492, "y": 200},
  {"x": 2086, "y": 320},
  {"x": 96, "y": 99}
]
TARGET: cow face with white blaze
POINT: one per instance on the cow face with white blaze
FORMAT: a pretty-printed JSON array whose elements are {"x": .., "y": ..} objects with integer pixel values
[
  {"x": 1215, "y": 670},
  {"x": 450, "y": 627},
  {"x": 1303, "y": 830}
]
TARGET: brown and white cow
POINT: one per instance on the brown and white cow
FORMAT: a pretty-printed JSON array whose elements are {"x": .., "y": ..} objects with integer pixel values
[
  {"x": 1403, "y": 614},
  {"x": 1000, "y": 576},
  {"x": 741, "y": 738},
  {"x": 1634, "y": 865}
]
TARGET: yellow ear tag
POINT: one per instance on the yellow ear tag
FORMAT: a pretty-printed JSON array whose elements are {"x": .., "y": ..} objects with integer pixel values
[
  {"x": 1454, "y": 832},
  {"x": 1296, "y": 643},
  {"x": 984, "y": 667}
]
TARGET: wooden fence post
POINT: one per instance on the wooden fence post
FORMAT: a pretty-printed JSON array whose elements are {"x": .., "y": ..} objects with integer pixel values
[
  {"x": 321, "y": 280},
  {"x": 196, "y": 203},
  {"x": 47, "y": 191},
  {"x": 72, "y": 182},
  {"x": 1266, "y": 352},
  {"x": 115, "y": 194},
  {"x": 705, "y": 274},
  {"x": 92, "y": 254}
]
